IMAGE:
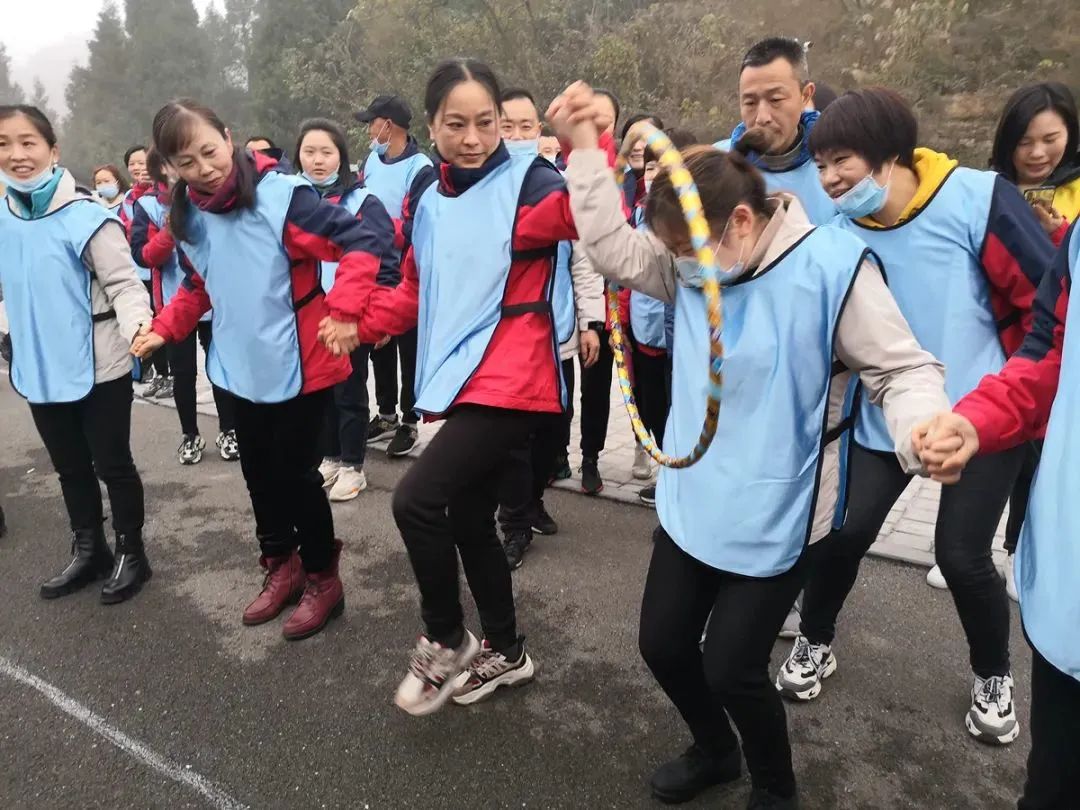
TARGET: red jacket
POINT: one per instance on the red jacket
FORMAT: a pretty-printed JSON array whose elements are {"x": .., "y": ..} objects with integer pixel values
[{"x": 315, "y": 230}]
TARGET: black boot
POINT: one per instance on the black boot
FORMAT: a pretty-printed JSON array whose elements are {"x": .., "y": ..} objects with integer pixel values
[
  {"x": 696, "y": 770},
  {"x": 761, "y": 799},
  {"x": 132, "y": 569},
  {"x": 91, "y": 559}
]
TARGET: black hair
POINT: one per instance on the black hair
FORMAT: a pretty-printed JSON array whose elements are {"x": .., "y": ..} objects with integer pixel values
[
  {"x": 174, "y": 126},
  {"x": 1020, "y": 109},
  {"x": 635, "y": 118},
  {"x": 121, "y": 182},
  {"x": 770, "y": 49},
  {"x": 37, "y": 118},
  {"x": 612, "y": 97},
  {"x": 875, "y": 123},
  {"x": 260, "y": 138},
  {"x": 824, "y": 95},
  {"x": 155, "y": 167},
  {"x": 449, "y": 73},
  {"x": 337, "y": 135},
  {"x": 131, "y": 151},
  {"x": 511, "y": 93}
]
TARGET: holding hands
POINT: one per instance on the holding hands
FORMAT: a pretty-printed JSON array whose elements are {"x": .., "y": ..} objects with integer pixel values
[
  {"x": 945, "y": 445},
  {"x": 573, "y": 115},
  {"x": 340, "y": 337},
  {"x": 146, "y": 342}
]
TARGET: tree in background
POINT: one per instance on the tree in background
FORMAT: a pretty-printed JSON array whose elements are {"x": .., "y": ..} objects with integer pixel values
[
  {"x": 40, "y": 99},
  {"x": 10, "y": 92}
]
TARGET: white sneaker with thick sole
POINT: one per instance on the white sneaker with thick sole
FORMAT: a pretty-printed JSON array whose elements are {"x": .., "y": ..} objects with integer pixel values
[
  {"x": 642, "y": 469},
  {"x": 1010, "y": 578},
  {"x": 791, "y": 624},
  {"x": 992, "y": 716},
  {"x": 488, "y": 672},
  {"x": 329, "y": 470},
  {"x": 935, "y": 579},
  {"x": 350, "y": 483},
  {"x": 433, "y": 672},
  {"x": 805, "y": 668}
]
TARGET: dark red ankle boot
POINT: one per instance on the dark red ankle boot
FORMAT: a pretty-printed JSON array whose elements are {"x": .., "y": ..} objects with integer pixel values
[
  {"x": 283, "y": 584},
  {"x": 323, "y": 600}
]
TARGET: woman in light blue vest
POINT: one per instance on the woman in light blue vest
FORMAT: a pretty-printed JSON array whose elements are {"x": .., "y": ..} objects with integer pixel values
[
  {"x": 1033, "y": 393},
  {"x": 962, "y": 253},
  {"x": 73, "y": 302},
  {"x": 805, "y": 310}
]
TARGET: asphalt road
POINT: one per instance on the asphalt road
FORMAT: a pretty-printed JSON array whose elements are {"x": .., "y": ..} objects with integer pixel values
[{"x": 241, "y": 715}]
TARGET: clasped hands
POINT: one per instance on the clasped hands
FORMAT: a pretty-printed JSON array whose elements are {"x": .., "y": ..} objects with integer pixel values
[{"x": 945, "y": 445}]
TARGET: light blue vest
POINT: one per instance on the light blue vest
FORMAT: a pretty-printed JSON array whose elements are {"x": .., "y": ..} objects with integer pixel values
[
  {"x": 646, "y": 313},
  {"x": 172, "y": 274},
  {"x": 127, "y": 204},
  {"x": 747, "y": 506},
  {"x": 390, "y": 182},
  {"x": 802, "y": 181},
  {"x": 47, "y": 296},
  {"x": 563, "y": 296},
  {"x": 1048, "y": 556},
  {"x": 351, "y": 202},
  {"x": 255, "y": 353},
  {"x": 933, "y": 270},
  {"x": 463, "y": 252}
]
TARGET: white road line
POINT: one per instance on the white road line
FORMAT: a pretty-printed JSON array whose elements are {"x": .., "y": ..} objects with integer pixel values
[{"x": 214, "y": 795}]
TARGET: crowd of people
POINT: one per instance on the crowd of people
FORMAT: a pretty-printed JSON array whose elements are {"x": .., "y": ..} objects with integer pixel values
[{"x": 887, "y": 313}]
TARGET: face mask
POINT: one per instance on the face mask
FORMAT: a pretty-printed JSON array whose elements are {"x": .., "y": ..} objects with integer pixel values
[
  {"x": 328, "y": 181},
  {"x": 377, "y": 146},
  {"x": 864, "y": 198},
  {"x": 108, "y": 192},
  {"x": 523, "y": 147},
  {"x": 28, "y": 186},
  {"x": 690, "y": 273}
]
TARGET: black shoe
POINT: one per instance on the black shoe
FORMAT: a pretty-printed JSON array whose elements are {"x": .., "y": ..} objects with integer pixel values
[
  {"x": 543, "y": 523},
  {"x": 648, "y": 495},
  {"x": 763, "y": 800},
  {"x": 696, "y": 770},
  {"x": 380, "y": 427},
  {"x": 404, "y": 441},
  {"x": 517, "y": 542},
  {"x": 561, "y": 471},
  {"x": 90, "y": 560},
  {"x": 129, "y": 573},
  {"x": 591, "y": 483}
]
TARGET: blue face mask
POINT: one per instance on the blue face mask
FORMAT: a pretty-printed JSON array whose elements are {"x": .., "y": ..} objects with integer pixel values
[
  {"x": 377, "y": 146},
  {"x": 328, "y": 181},
  {"x": 35, "y": 183},
  {"x": 690, "y": 273},
  {"x": 108, "y": 192},
  {"x": 526, "y": 148},
  {"x": 865, "y": 198}
]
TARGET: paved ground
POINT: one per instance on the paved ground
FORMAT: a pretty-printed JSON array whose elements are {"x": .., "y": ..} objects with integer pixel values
[{"x": 244, "y": 718}]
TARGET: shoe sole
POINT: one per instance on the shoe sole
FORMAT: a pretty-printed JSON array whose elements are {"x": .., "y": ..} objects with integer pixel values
[
  {"x": 400, "y": 453},
  {"x": 292, "y": 600},
  {"x": 446, "y": 691},
  {"x": 128, "y": 592},
  {"x": 190, "y": 462},
  {"x": 639, "y": 476},
  {"x": 380, "y": 436},
  {"x": 538, "y": 530},
  {"x": 682, "y": 797},
  {"x": 593, "y": 491},
  {"x": 350, "y": 497},
  {"x": 988, "y": 737},
  {"x": 811, "y": 693},
  {"x": 67, "y": 590},
  {"x": 334, "y": 613},
  {"x": 514, "y": 678},
  {"x": 647, "y": 501}
]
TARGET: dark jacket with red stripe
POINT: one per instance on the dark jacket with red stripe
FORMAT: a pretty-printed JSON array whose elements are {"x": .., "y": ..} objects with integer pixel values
[
  {"x": 376, "y": 216},
  {"x": 1013, "y": 405},
  {"x": 315, "y": 230},
  {"x": 151, "y": 246},
  {"x": 517, "y": 370}
]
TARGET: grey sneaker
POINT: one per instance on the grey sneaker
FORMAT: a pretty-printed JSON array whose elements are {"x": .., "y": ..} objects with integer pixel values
[
  {"x": 992, "y": 716},
  {"x": 805, "y": 668},
  {"x": 380, "y": 427},
  {"x": 191, "y": 449}
]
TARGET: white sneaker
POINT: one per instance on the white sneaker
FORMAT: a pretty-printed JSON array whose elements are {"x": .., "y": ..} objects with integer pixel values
[
  {"x": 350, "y": 483},
  {"x": 935, "y": 579},
  {"x": 433, "y": 671},
  {"x": 329, "y": 470},
  {"x": 791, "y": 624},
  {"x": 489, "y": 671},
  {"x": 805, "y": 668},
  {"x": 642, "y": 469},
  {"x": 1010, "y": 578},
  {"x": 992, "y": 716}
]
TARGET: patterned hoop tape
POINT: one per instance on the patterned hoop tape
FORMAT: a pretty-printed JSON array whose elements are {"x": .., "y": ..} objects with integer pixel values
[{"x": 690, "y": 201}]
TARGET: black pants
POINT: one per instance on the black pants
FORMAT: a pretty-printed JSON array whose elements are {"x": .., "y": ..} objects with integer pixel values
[
  {"x": 345, "y": 425},
  {"x": 280, "y": 459},
  {"x": 730, "y": 677},
  {"x": 88, "y": 440},
  {"x": 159, "y": 359},
  {"x": 529, "y": 467},
  {"x": 185, "y": 370},
  {"x": 1053, "y": 778},
  {"x": 1018, "y": 501},
  {"x": 652, "y": 392},
  {"x": 968, "y": 515},
  {"x": 445, "y": 507},
  {"x": 385, "y": 361},
  {"x": 596, "y": 400}
]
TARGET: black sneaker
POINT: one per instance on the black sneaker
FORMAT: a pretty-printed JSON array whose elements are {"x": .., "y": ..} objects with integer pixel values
[
  {"x": 405, "y": 439},
  {"x": 380, "y": 427},
  {"x": 648, "y": 495},
  {"x": 591, "y": 483},
  {"x": 763, "y": 800},
  {"x": 516, "y": 544},
  {"x": 561, "y": 471},
  {"x": 543, "y": 523},
  {"x": 696, "y": 770}
]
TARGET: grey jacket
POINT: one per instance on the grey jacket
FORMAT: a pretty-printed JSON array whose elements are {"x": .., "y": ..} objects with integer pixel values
[
  {"x": 588, "y": 299},
  {"x": 114, "y": 285}
]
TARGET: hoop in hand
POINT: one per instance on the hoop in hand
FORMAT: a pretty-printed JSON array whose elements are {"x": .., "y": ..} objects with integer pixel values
[{"x": 690, "y": 201}]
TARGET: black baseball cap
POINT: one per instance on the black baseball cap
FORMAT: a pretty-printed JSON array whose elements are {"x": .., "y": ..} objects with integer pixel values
[{"x": 394, "y": 108}]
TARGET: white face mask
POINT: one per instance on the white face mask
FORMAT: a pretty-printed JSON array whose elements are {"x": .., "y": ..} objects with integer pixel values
[
  {"x": 523, "y": 147},
  {"x": 35, "y": 183}
]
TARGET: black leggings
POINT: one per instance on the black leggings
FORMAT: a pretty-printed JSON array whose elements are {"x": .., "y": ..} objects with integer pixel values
[
  {"x": 445, "y": 506},
  {"x": 159, "y": 360},
  {"x": 730, "y": 677},
  {"x": 1053, "y": 779},
  {"x": 1018, "y": 501},
  {"x": 651, "y": 392},
  {"x": 88, "y": 440},
  {"x": 345, "y": 428},
  {"x": 185, "y": 370},
  {"x": 968, "y": 516},
  {"x": 596, "y": 400},
  {"x": 385, "y": 363}
]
